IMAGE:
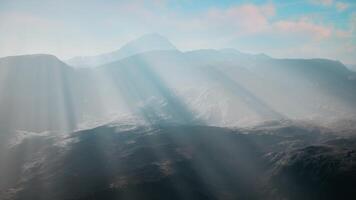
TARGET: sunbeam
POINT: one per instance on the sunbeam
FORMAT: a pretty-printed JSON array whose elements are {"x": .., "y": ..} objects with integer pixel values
[{"x": 153, "y": 100}]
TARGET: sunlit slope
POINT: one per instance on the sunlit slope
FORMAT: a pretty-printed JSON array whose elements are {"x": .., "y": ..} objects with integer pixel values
[{"x": 223, "y": 88}]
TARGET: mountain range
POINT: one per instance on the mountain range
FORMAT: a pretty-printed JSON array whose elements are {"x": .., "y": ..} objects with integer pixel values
[
  {"x": 149, "y": 121},
  {"x": 149, "y": 42},
  {"x": 149, "y": 79}
]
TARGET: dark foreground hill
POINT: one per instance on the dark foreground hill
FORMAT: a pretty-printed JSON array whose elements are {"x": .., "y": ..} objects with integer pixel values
[{"x": 181, "y": 162}]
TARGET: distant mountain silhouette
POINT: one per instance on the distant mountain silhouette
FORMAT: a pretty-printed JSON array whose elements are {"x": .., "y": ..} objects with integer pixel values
[
  {"x": 152, "y": 122},
  {"x": 145, "y": 43},
  {"x": 213, "y": 87}
]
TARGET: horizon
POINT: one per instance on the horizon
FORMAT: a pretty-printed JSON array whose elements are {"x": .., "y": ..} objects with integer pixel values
[
  {"x": 186, "y": 51},
  {"x": 299, "y": 29},
  {"x": 177, "y": 99}
]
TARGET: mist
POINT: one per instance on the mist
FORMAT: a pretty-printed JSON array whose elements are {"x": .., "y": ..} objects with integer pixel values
[{"x": 177, "y": 100}]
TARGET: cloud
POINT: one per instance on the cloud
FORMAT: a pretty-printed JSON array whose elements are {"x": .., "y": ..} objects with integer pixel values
[
  {"x": 80, "y": 31},
  {"x": 353, "y": 22},
  {"x": 322, "y": 2},
  {"x": 22, "y": 29},
  {"x": 244, "y": 19},
  {"x": 304, "y": 28},
  {"x": 340, "y": 6},
  {"x": 343, "y": 34},
  {"x": 12, "y": 20},
  {"x": 212, "y": 27},
  {"x": 28, "y": 33}
]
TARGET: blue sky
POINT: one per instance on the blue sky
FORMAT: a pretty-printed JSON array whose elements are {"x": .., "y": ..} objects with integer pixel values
[{"x": 67, "y": 28}]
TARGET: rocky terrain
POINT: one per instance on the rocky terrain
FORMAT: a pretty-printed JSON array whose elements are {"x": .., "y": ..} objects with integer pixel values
[{"x": 171, "y": 161}]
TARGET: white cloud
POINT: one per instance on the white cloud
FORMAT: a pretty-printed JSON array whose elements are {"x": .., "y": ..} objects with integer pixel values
[
  {"x": 305, "y": 28},
  {"x": 322, "y": 2},
  {"x": 341, "y": 6},
  {"x": 209, "y": 28},
  {"x": 237, "y": 20}
]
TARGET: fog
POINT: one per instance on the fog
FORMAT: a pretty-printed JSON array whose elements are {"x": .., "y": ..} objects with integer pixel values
[
  {"x": 214, "y": 87},
  {"x": 149, "y": 121}
]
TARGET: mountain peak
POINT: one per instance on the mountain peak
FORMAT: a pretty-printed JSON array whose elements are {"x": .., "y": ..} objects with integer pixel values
[
  {"x": 145, "y": 43},
  {"x": 148, "y": 42},
  {"x": 152, "y": 37}
]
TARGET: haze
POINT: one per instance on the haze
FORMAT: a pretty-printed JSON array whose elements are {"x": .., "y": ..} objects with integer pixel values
[
  {"x": 303, "y": 28},
  {"x": 177, "y": 100}
]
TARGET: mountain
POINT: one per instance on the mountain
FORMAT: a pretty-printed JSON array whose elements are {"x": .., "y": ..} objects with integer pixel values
[
  {"x": 149, "y": 42},
  {"x": 213, "y": 87},
  {"x": 121, "y": 161},
  {"x": 37, "y": 92},
  {"x": 319, "y": 171},
  {"x": 352, "y": 67},
  {"x": 153, "y": 122},
  {"x": 229, "y": 89}
]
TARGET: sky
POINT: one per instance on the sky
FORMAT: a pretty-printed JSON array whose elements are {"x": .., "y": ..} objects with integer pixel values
[{"x": 279, "y": 28}]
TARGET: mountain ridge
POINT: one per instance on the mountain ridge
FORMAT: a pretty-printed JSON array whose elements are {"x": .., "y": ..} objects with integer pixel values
[
  {"x": 218, "y": 87},
  {"x": 148, "y": 42}
]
